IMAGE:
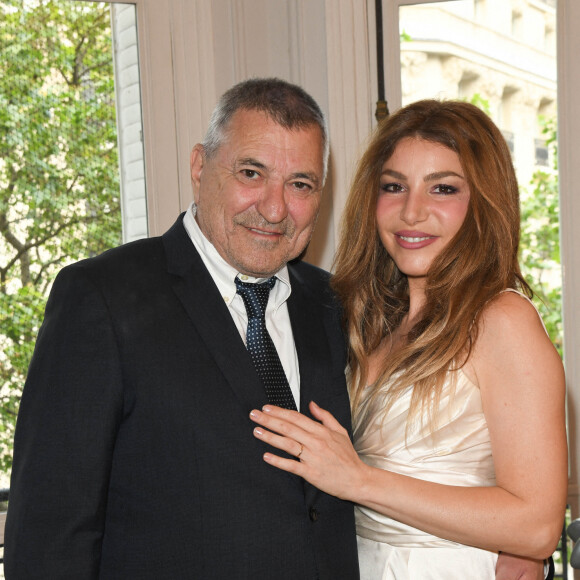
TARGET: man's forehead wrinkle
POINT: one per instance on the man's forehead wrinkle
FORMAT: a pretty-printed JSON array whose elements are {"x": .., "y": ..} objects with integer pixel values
[
  {"x": 250, "y": 161},
  {"x": 278, "y": 153}
]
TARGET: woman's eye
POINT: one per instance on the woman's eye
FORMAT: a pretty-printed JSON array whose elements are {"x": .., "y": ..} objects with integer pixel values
[
  {"x": 391, "y": 187},
  {"x": 445, "y": 189}
]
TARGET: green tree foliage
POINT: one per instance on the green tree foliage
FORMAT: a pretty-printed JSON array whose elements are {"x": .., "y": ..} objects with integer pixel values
[
  {"x": 540, "y": 233},
  {"x": 540, "y": 239},
  {"x": 481, "y": 102},
  {"x": 59, "y": 190}
]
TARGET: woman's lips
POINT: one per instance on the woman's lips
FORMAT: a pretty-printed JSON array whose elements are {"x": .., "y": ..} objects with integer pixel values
[{"x": 413, "y": 240}]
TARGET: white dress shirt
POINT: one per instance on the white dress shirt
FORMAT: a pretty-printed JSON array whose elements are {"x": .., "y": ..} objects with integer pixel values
[{"x": 277, "y": 317}]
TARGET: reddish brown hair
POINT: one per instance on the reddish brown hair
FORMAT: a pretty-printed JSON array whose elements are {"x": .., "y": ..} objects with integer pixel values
[{"x": 480, "y": 262}]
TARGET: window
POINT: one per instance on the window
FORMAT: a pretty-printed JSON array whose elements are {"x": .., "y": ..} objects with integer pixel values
[{"x": 63, "y": 196}]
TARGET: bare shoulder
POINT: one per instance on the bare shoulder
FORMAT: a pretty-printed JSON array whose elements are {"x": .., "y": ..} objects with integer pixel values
[
  {"x": 510, "y": 311},
  {"x": 511, "y": 335}
]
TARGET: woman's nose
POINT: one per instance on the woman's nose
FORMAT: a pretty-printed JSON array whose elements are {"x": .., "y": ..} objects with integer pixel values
[{"x": 414, "y": 209}]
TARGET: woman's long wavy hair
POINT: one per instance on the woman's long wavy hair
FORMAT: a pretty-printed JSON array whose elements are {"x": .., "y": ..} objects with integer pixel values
[{"x": 478, "y": 263}]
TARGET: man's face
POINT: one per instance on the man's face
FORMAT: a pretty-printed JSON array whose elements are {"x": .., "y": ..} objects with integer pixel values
[{"x": 258, "y": 196}]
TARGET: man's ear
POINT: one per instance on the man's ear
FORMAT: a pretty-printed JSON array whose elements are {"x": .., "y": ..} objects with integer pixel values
[{"x": 196, "y": 167}]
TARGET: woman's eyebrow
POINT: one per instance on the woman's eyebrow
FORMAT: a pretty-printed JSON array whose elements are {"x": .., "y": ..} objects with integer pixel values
[
  {"x": 394, "y": 173},
  {"x": 441, "y": 175}
]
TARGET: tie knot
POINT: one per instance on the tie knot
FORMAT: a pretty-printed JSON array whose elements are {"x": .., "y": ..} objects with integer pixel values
[{"x": 255, "y": 296}]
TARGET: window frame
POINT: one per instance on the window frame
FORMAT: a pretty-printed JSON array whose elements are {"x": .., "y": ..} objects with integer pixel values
[{"x": 568, "y": 45}]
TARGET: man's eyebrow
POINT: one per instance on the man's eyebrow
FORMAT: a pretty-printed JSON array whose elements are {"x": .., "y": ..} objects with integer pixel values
[
  {"x": 309, "y": 176},
  {"x": 250, "y": 161},
  {"x": 313, "y": 177}
]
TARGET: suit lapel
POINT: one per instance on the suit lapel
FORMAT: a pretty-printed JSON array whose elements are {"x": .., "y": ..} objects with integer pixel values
[
  {"x": 314, "y": 359},
  {"x": 311, "y": 342},
  {"x": 207, "y": 311}
]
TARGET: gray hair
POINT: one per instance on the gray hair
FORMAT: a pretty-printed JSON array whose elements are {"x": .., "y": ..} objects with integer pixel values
[{"x": 287, "y": 104}]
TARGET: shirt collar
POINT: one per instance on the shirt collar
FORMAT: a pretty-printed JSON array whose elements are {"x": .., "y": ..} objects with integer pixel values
[{"x": 222, "y": 273}]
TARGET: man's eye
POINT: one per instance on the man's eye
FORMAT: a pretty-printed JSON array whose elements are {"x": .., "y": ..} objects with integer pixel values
[
  {"x": 301, "y": 186},
  {"x": 250, "y": 173}
]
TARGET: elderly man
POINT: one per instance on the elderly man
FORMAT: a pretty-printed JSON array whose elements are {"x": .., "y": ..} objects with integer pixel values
[{"x": 134, "y": 454}]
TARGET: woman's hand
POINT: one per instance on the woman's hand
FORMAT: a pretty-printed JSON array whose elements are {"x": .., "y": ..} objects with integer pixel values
[
  {"x": 510, "y": 567},
  {"x": 326, "y": 457}
]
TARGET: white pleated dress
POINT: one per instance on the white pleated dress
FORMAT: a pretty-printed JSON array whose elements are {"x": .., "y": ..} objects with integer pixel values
[{"x": 458, "y": 452}]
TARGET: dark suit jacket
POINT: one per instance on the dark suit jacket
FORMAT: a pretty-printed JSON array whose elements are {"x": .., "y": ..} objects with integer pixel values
[{"x": 134, "y": 456}]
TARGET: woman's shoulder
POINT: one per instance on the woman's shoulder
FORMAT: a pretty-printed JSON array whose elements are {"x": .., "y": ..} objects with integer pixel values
[
  {"x": 510, "y": 310},
  {"x": 510, "y": 329}
]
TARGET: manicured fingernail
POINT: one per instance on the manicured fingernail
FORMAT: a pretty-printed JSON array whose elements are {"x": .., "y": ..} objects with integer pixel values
[
  {"x": 258, "y": 431},
  {"x": 267, "y": 409},
  {"x": 254, "y": 413}
]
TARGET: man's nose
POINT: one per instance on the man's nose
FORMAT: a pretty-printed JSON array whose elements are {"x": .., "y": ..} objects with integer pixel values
[{"x": 272, "y": 203}]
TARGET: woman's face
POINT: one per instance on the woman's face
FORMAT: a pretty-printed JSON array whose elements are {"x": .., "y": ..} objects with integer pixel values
[{"x": 423, "y": 200}]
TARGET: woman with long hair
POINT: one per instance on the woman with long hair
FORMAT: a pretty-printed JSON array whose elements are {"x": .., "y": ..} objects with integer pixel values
[{"x": 457, "y": 392}]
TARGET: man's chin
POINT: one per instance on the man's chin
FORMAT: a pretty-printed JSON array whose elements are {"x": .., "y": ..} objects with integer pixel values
[
  {"x": 261, "y": 268},
  {"x": 263, "y": 260},
  {"x": 260, "y": 272}
]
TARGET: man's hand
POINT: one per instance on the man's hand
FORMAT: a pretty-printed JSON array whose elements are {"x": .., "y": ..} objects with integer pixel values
[{"x": 511, "y": 567}]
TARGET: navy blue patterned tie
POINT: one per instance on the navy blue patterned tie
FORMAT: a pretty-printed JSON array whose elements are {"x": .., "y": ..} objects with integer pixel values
[{"x": 260, "y": 345}]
